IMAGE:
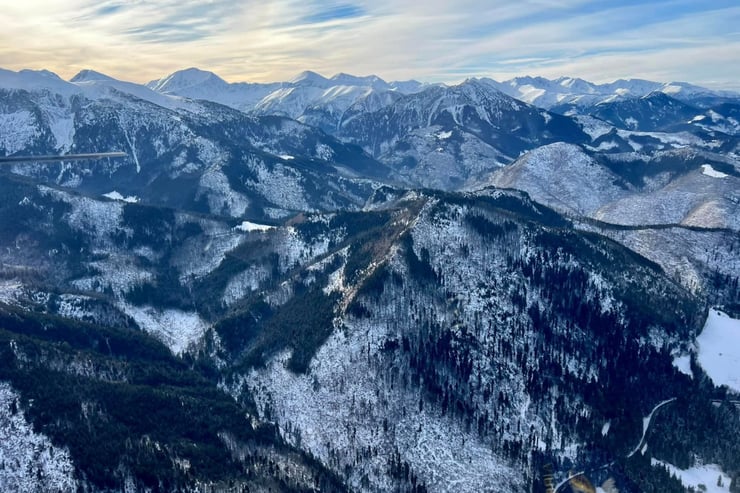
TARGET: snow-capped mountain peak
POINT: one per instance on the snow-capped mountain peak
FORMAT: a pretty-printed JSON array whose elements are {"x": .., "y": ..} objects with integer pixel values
[
  {"x": 186, "y": 79},
  {"x": 407, "y": 86},
  {"x": 373, "y": 81},
  {"x": 576, "y": 84},
  {"x": 35, "y": 80},
  {"x": 309, "y": 78},
  {"x": 90, "y": 75},
  {"x": 95, "y": 85}
]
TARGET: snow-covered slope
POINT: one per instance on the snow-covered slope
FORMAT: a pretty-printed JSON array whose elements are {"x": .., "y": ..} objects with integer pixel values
[
  {"x": 669, "y": 209},
  {"x": 564, "y": 177},
  {"x": 89, "y": 84},
  {"x": 188, "y": 154},
  {"x": 198, "y": 84},
  {"x": 445, "y": 137},
  {"x": 36, "y": 80},
  {"x": 705, "y": 477},
  {"x": 404, "y": 340},
  {"x": 703, "y": 261},
  {"x": 308, "y": 97},
  {"x": 403, "y": 381},
  {"x": 424, "y": 335},
  {"x": 30, "y": 461},
  {"x": 654, "y": 111},
  {"x": 95, "y": 85},
  {"x": 566, "y": 92},
  {"x": 718, "y": 348},
  {"x": 693, "y": 199}
]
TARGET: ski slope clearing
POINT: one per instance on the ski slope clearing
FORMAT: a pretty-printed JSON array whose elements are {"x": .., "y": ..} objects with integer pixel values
[{"x": 719, "y": 349}]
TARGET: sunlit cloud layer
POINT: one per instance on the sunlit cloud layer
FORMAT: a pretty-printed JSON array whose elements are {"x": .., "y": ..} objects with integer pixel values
[{"x": 436, "y": 40}]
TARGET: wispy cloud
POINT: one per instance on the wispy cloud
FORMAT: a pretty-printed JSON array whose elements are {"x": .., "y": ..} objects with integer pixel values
[{"x": 437, "y": 40}]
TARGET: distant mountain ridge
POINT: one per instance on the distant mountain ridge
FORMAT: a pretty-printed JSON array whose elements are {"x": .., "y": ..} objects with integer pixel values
[
  {"x": 182, "y": 153},
  {"x": 287, "y": 98},
  {"x": 539, "y": 91},
  {"x": 437, "y": 136},
  {"x": 565, "y": 92}
]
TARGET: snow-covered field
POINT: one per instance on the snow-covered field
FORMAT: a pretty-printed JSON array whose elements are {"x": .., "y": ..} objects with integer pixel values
[
  {"x": 707, "y": 475},
  {"x": 719, "y": 349}
]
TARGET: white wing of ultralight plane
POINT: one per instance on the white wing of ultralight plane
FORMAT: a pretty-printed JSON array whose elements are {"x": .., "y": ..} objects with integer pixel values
[{"x": 60, "y": 157}]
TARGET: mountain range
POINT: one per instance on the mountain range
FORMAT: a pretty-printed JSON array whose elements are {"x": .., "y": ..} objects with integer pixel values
[{"x": 346, "y": 284}]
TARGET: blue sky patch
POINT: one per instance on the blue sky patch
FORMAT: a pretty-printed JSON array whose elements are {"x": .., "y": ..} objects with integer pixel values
[{"x": 338, "y": 12}]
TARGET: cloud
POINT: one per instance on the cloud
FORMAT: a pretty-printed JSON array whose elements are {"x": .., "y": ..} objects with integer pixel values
[{"x": 440, "y": 40}]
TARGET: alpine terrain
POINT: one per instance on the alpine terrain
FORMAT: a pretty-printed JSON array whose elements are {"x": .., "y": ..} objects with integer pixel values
[{"x": 348, "y": 284}]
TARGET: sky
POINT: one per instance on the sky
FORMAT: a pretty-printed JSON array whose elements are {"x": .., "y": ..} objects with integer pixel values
[{"x": 695, "y": 41}]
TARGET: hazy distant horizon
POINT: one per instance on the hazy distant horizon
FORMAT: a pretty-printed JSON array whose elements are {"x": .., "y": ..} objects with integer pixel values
[{"x": 329, "y": 76}]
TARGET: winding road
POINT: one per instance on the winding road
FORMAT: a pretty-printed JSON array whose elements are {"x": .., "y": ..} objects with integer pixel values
[
  {"x": 646, "y": 422},
  {"x": 646, "y": 425}
]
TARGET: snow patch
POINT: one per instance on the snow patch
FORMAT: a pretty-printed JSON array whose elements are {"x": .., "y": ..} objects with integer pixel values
[
  {"x": 715, "y": 116},
  {"x": 131, "y": 199},
  {"x": 248, "y": 226},
  {"x": 707, "y": 169},
  {"x": 530, "y": 93},
  {"x": 719, "y": 349},
  {"x": 9, "y": 290},
  {"x": 605, "y": 146},
  {"x": 444, "y": 135},
  {"x": 63, "y": 130},
  {"x": 683, "y": 364},
  {"x": 336, "y": 282},
  {"x": 594, "y": 127},
  {"x": 631, "y": 122},
  {"x": 176, "y": 328},
  {"x": 605, "y": 428},
  {"x": 324, "y": 152}
]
